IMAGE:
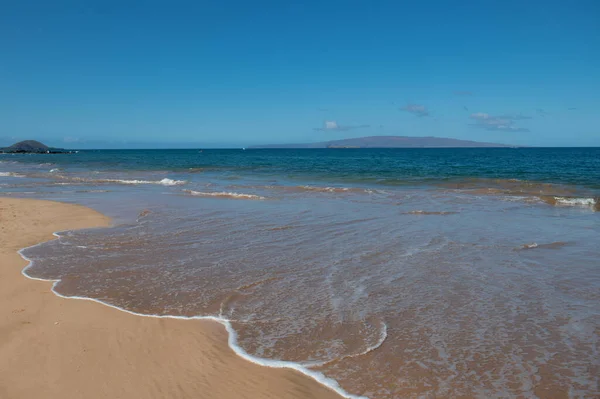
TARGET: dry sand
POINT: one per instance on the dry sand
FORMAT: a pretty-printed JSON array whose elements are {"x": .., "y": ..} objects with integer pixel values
[{"x": 52, "y": 347}]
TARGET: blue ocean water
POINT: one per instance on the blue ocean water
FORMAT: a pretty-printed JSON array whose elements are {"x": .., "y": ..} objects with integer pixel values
[
  {"x": 396, "y": 273},
  {"x": 578, "y": 166}
]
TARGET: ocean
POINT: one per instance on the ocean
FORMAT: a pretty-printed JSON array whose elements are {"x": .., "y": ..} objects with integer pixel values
[{"x": 382, "y": 273}]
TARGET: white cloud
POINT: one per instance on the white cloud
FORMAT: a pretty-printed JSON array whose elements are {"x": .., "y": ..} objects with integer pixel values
[{"x": 333, "y": 126}]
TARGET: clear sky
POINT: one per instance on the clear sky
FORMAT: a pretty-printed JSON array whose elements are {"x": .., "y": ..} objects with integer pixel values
[{"x": 235, "y": 73}]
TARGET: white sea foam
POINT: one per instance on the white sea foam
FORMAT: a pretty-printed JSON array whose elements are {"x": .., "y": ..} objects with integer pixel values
[
  {"x": 232, "y": 334},
  {"x": 325, "y": 189},
  {"x": 164, "y": 182},
  {"x": 171, "y": 182},
  {"x": 338, "y": 190},
  {"x": 530, "y": 246},
  {"x": 10, "y": 174},
  {"x": 575, "y": 201},
  {"x": 224, "y": 194},
  {"x": 54, "y": 170}
]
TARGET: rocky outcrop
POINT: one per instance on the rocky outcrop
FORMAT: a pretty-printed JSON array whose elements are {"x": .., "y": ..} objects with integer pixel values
[{"x": 32, "y": 147}]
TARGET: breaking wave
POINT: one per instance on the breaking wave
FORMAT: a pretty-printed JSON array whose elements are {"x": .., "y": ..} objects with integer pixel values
[
  {"x": 224, "y": 194},
  {"x": 593, "y": 203},
  {"x": 163, "y": 182}
]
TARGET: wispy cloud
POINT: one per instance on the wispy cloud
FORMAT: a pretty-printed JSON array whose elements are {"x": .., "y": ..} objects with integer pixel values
[
  {"x": 498, "y": 123},
  {"x": 571, "y": 108},
  {"x": 416, "y": 109},
  {"x": 541, "y": 112},
  {"x": 329, "y": 126},
  {"x": 463, "y": 93}
]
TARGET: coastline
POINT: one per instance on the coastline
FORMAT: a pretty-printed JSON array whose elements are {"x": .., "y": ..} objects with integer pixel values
[{"x": 51, "y": 347}]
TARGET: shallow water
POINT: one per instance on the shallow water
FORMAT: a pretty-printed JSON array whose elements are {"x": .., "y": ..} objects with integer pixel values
[{"x": 470, "y": 284}]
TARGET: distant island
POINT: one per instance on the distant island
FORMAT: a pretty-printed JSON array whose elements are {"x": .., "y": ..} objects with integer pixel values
[
  {"x": 33, "y": 147},
  {"x": 390, "y": 142}
]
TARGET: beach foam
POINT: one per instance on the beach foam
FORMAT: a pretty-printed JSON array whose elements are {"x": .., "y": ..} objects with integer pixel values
[
  {"x": 163, "y": 182},
  {"x": 232, "y": 334},
  {"x": 585, "y": 202},
  {"x": 224, "y": 194},
  {"x": 10, "y": 174},
  {"x": 575, "y": 201}
]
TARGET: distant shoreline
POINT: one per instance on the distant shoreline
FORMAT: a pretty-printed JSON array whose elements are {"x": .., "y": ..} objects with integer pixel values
[{"x": 391, "y": 142}]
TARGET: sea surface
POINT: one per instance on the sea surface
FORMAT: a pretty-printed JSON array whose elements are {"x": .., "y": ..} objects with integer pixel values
[{"x": 383, "y": 273}]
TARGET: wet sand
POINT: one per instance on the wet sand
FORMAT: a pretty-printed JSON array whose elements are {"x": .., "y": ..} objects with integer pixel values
[{"x": 52, "y": 347}]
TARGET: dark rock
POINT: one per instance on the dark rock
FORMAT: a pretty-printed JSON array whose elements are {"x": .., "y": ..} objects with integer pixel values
[{"x": 32, "y": 147}]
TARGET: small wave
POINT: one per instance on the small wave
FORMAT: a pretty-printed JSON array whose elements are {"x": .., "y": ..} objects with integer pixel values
[
  {"x": 552, "y": 193},
  {"x": 593, "y": 203},
  {"x": 551, "y": 245},
  {"x": 575, "y": 201},
  {"x": 232, "y": 339},
  {"x": 171, "y": 182},
  {"x": 164, "y": 182},
  {"x": 325, "y": 189},
  {"x": 55, "y": 170},
  {"x": 224, "y": 194},
  {"x": 10, "y": 174},
  {"x": 418, "y": 212}
]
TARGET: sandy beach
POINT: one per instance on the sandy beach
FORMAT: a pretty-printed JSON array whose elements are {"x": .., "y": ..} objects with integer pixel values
[{"x": 52, "y": 347}]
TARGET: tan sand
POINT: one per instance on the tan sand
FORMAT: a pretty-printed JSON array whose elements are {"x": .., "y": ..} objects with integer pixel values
[{"x": 52, "y": 347}]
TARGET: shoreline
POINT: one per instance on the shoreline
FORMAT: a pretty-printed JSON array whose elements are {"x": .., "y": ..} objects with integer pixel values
[{"x": 150, "y": 356}]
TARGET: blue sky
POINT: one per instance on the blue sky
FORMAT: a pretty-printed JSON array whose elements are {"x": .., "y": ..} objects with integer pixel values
[{"x": 233, "y": 73}]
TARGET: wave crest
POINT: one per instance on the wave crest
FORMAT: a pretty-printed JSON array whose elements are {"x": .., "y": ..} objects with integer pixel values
[
  {"x": 163, "y": 182},
  {"x": 224, "y": 194},
  {"x": 593, "y": 203}
]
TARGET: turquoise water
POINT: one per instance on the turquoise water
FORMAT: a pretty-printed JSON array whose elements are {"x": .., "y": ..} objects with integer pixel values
[{"x": 414, "y": 273}]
